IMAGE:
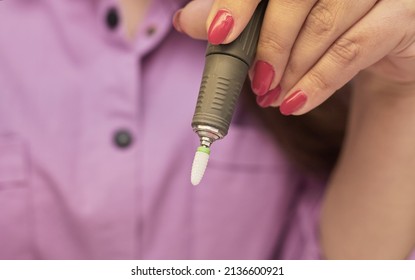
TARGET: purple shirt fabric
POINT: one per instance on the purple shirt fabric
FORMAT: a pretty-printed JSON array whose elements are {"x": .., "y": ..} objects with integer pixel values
[{"x": 68, "y": 83}]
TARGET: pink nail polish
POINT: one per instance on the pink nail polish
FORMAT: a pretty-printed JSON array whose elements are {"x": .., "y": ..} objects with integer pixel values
[
  {"x": 263, "y": 76},
  {"x": 269, "y": 98},
  {"x": 293, "y": 102},
  {"x": 176, "y": 20},
  {"x": 220, "y": 27}
]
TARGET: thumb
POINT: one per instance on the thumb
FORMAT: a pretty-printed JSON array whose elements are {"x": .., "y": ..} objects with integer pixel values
[{"x": 191, "y": 19}]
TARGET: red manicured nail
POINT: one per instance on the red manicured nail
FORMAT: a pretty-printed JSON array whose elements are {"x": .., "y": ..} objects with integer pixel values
[
  {"x": 267, "y": 99},
  {"x": 293, "y": 102},
  {"x": 263, "y": 76},
  {"x": 220, "y": 27},
  {"x": 176, "y": 20}
]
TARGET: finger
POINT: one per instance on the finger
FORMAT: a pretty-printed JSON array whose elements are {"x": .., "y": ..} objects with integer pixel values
[
  {"x": 282, "y": 23},
  {"x": 367, "y": 42},
  {"x": 191, "y": 19},
  {"x": 327, "y": 21},
  {"x": 228, "y": 18}
]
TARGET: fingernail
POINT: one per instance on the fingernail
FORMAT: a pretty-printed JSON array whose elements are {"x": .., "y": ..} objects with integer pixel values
[
  {"x": 293, "y": 102},
  {"x": 176, "y": 21},
  {"x": 269, "y": 98},
  {"x": 220, "y": 27},
  {"x": 263, "y": 76}
]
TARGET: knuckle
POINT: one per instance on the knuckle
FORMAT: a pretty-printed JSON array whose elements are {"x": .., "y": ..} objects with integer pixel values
[
  {"x": 271, "y": 42},
  {"x": 321, "y": 20},
  {"x": 318, "y": 81},
  {"x": 344, "y": 51}
]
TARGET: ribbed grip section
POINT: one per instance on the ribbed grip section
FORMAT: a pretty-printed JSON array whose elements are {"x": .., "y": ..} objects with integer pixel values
[
  {"x": 244, "y": 47},
  {"x": 223, "y": 98},
  {"x": 221, "y": 85}
]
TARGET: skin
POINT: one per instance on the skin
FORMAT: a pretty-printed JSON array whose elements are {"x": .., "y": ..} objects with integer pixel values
[
  {"x": 369, "y": 208},
  {"x": 317, "y": 46},
  {"x": 133, "y": 12}
]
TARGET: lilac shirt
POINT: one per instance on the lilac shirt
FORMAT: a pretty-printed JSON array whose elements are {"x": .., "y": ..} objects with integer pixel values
[{"x": 68, "y": 83}]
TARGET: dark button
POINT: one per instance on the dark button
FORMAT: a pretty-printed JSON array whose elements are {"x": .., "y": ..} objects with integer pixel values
[
  {"x": 151, "y": 30},
  {"x": 112, "y": 19},
  {"x": 123, "y": 138}
]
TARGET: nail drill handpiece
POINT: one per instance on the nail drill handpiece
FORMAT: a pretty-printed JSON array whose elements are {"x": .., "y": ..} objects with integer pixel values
[{"x": 226, "y": 68}]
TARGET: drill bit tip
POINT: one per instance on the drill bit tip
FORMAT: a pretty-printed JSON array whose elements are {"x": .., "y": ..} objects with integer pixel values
[{"x": 200, "y": 162}]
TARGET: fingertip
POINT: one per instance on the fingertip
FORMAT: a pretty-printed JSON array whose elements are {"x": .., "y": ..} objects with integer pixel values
[
  {"x": 293, "y": 103},
  {"x": 267, "y": 99},
  {"x": 176, "y": 21},
  {"x": 220, "y": 27},
  {"x": 227, "y": 19},
  {"x": 191, "y": 19},
  {"x": 263, "y": 76}
]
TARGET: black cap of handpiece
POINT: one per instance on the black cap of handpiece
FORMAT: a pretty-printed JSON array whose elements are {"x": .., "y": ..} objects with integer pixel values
[{"x": 226, "y": 68}]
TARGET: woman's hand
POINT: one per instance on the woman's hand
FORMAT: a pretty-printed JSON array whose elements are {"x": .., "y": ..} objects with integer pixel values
[{"x": 309, "y": 49}]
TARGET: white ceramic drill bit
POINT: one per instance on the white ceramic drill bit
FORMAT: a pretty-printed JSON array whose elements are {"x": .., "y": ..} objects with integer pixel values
[{"x": 199, "y": 164}]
